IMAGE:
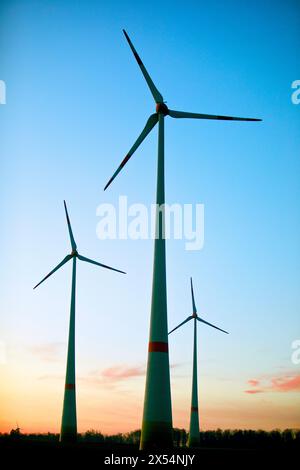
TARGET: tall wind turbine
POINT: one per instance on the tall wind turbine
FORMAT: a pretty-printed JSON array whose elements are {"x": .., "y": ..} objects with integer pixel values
[
  {"x": 194, "y": 436},
  {"x": 157, "y": 416},
  {"x": 68, "y": 431}
]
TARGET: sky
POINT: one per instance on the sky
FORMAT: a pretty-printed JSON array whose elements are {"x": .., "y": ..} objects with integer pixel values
[{"x": 75, "y": 103}]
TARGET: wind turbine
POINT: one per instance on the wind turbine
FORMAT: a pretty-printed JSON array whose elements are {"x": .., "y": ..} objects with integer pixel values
[
  {"x": 157, "y": 416},
  {"x": 194, "y": 436},
  {"x": 69, "y": 421}
]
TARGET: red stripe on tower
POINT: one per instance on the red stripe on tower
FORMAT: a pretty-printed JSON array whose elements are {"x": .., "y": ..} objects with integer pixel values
[
  {"x": 158, "y": 346},
  {"x": 70, "y": 386}
]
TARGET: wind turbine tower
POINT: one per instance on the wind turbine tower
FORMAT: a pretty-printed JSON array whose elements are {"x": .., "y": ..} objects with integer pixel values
[
  {"x": 157, "y": 431},
  {"x": 194, "y": 433},
  {"x": 68, "y": 433}
]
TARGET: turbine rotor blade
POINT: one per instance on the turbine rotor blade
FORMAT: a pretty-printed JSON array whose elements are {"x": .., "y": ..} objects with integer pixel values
[
  {"x": 210, "y": 324},
  {"x": 153, "y": 119},
  {"x": 185, "y": 321},
  {"x": 155, "y": 93},
  {"x": 182, "y": 114},
  {"x": 193, "y": 298},
  {"x": 73, "y": 244},
  {"x": 87, "y": 260},
  {"x": 64, "y": 261}
]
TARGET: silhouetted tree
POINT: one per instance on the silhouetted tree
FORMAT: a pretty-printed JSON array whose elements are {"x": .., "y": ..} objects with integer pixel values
[{"x": 15, "y": 433}]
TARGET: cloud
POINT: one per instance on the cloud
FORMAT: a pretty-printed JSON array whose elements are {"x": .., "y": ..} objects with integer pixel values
[
  {"x": 253, "y": 382},
  {"x": 119, "y": 373},
  {"x": 50, "y": 352},
  {"x": 112, "y": 376},
  {"x": 284, "y": 383}
]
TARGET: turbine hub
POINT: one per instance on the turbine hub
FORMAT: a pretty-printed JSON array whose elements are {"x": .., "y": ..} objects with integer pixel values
[
  {"x": 194, "y": 315},
  {"x": 74, "y": 253},
  {"x": 162, "y": 108}
]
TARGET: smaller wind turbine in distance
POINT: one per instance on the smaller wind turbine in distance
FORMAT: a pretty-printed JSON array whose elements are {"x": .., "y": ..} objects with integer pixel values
[
  {"x": 69, "y": 420},
  {"x": 194, "y": 433}
]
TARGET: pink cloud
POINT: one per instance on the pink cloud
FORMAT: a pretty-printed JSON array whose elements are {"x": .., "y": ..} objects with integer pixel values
[
  {"x": 112, "y": 376},
  {"x": 253, "y": 382},
  {"x": 117, "y": 373},
  {"x": 285, "y": 383},
  {"x": 121, "y": 373}
]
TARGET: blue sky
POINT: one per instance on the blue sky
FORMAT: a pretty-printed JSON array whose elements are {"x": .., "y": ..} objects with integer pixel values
[{"x": 76, "y": 102}]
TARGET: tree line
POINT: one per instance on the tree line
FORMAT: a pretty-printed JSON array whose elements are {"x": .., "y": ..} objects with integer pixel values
[{"x": 237, "y": 438}]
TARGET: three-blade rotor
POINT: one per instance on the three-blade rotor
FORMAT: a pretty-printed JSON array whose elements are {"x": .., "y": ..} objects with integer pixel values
[
  {"x": 75, "y": 254},
  {"x": 161, "y": 108},
  {"x": 195, "y": 316}
]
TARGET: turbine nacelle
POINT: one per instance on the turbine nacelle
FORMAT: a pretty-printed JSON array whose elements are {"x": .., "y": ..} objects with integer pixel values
[{"x": 162, "y": 108}]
